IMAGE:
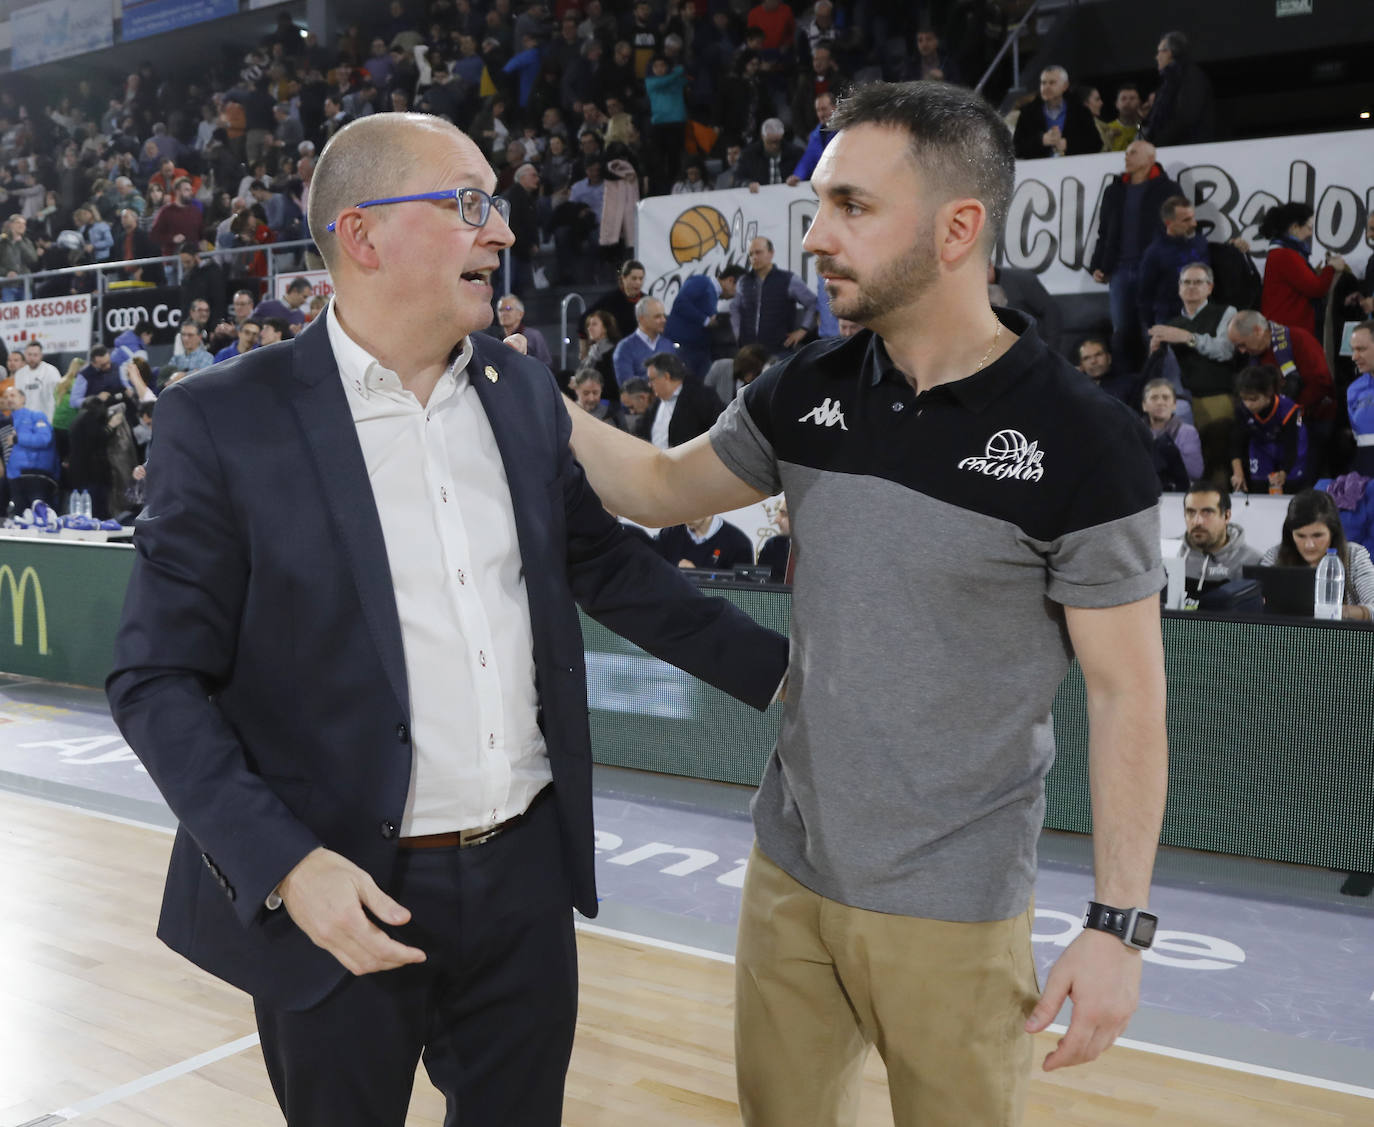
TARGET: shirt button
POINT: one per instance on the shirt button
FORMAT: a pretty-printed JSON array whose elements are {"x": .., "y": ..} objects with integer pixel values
[
  {"x": 388, "y": 830},
  {"x": 482, "y": 658},
  {"x": 443, "y": 495},
  {"x": 462, "y": 579},
  {"x": 402, "y": 733},
  {"x": 491, "y": 739}
]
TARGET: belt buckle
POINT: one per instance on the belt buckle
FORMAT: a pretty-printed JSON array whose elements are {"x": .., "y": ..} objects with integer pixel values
[{"x": 467, "y": 838}]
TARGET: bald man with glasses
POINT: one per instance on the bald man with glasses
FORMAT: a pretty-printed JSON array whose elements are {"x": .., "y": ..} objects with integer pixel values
[{"x": 352, "y": 663}]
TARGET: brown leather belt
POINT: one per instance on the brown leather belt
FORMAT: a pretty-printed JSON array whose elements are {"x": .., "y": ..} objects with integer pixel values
[{"x": 465, "y": 839}]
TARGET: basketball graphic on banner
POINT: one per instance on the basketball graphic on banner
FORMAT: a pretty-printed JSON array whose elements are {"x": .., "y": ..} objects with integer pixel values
[{"x": 696, "y": 232}]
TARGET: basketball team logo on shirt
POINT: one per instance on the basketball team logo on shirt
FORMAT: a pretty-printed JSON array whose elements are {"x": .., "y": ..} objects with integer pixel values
[{"x": 1008, "y": 454}]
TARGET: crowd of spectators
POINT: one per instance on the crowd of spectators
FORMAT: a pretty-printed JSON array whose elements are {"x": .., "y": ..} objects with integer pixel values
[{"x": 584, "y": 108}]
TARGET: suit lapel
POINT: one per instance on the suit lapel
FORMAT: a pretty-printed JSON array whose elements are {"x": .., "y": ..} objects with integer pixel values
[
  {"x": 321, "y": 407},
  {"x": 507, "y": 411}
]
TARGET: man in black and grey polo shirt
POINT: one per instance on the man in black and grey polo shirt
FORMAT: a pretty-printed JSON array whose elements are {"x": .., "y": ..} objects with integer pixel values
[{"x": 967, "y": 514}]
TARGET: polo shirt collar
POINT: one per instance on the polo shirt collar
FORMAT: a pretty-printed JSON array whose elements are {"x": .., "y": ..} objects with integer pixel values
[{"x": 981, "y": 389}]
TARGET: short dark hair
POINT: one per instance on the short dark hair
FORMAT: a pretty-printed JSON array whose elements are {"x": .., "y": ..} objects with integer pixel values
[
  {"x": 99, "y": 350},
  {"x": 1366, "y": 326},
  {"x": 281, "y": 324},
  {"x": 669, "y": 363},
  {"x": 1127, "y": 86},
  {"x": 1171, "y": 205},
  {"x": 249, "y": 321},
  {"x": 1099, "y": 341},
  {"x": 145, "y": 409},
  {"x": 636, "y": 386},
  {"x": 298, "y": 284},
  {"x": 957, "y": 139},
  {"x": 1258, "y": 379},
  {"x": 750, "y": 360},
  {"x": 1206, "y": 485},
  {"x": 734, "y": 270},
  {"x": 630, "y": 265}
]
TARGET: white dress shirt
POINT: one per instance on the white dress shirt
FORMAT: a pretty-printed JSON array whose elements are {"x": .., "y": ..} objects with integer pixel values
[
  {"x": 449, "y": 526},
  {"x": 658, "y": 433}
]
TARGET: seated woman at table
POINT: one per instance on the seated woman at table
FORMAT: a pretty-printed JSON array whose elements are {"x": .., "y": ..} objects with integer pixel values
[{"x": 1312, "y": 526}]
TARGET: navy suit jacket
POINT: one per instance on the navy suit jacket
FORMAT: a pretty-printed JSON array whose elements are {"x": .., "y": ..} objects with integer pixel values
[
  {"x": 259, "y": 672},
  {"x": 696, "y": 301}
]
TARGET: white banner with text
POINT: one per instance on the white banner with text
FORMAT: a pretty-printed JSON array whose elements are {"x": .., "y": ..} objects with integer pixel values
[
  {"x": 59, "y": 324},
  {"x": 1053, "y": 218}
]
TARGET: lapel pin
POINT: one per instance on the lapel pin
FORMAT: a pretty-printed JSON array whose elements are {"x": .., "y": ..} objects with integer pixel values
[{"x": 491, "y": 373}]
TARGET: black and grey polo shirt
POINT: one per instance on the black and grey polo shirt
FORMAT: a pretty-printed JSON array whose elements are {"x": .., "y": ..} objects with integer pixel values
[{"x": 937, "y": 538}]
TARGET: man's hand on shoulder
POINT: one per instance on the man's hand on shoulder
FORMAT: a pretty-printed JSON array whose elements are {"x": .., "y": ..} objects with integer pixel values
[
  {"x": 1101, "y": 976},
  {"x": 518, "y": 342},
  {"x": 325, "y": 895}
]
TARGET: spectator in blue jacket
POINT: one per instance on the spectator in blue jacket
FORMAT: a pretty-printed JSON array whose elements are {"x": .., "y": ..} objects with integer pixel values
[
  {"x": 525, "y": 66},
  {"x": 648, "y": 338},
  {"x": 1359, "y": 397},
  {"x": 34, "y": 450},
  {"x": 817, "y": 141},
  {"x": 694, "y": 309},
  {"x": 667, "y": 90},
  {"x": 96, "y": 237},
  {"x": 1354, "y": 497},
  {"x": 1179, "y": 244}
]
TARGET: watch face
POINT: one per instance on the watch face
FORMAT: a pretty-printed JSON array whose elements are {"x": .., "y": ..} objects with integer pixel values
[{"x": 1144, "y": 931}]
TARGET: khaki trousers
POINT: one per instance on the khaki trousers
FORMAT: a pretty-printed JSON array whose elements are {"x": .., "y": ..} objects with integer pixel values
[
  {"x": 1214, "y": 416},
  {"x": 817, "y": 983}
]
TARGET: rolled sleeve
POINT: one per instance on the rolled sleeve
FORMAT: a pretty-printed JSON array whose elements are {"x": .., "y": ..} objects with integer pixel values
[
  {"x": 1108, "y": 565},
  {"x": 746, "y": 452}
]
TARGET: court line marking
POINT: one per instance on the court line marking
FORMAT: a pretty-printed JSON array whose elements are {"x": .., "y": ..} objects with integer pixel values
[
  {"x": 1123, "y": 1042},
  {"x": 43, "y": 800},
  {"x": 702, "y": 953},
  {"x": 153, "y": 1079}
]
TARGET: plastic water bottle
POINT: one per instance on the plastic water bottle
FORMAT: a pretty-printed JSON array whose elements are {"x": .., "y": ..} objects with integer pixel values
[
  {"x": 85, "y": 502},
  {"x": 1330, "y": 592}
]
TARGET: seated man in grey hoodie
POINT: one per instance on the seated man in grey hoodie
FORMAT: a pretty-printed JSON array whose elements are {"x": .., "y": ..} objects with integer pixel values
[{"x": 1214, "y": 550}]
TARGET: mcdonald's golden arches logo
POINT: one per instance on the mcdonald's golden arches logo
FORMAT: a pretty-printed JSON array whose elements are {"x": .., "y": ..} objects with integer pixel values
[{"x": 19, "y": 590}]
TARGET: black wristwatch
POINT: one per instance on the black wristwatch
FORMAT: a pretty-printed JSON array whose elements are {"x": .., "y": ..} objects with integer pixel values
[{"x": 1133, "y": 926}]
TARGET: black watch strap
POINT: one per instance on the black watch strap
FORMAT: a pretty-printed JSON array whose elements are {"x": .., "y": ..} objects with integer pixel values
[{"x": 1133, "y": 926}]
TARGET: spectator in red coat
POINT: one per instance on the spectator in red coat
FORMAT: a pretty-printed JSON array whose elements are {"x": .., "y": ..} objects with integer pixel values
[
  {"x": 1291, "y": 286},
  {"x": 777, "y": 23},
  {"x": 179, "y": 222}
]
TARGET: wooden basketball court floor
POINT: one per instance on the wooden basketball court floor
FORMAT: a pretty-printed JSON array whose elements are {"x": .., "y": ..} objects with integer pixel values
[{"x": 101, "y": 1024}]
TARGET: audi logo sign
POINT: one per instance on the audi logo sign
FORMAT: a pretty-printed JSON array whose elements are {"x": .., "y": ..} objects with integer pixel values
[
  {"x": 152, "y": 308},
  {"x": 132, "y": 316}
]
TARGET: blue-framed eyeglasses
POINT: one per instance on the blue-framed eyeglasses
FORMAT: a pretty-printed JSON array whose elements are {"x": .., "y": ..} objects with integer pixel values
[{"x": 474, "y": 205}]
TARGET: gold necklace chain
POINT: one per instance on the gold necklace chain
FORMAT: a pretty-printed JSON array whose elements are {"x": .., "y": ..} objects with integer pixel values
[{"x": 987, "y": 355}]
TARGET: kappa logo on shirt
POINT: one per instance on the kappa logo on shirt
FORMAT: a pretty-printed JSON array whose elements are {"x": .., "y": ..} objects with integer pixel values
[
  {"x": 826, "y": 415},
  {"x": 1008, "y": 454}
]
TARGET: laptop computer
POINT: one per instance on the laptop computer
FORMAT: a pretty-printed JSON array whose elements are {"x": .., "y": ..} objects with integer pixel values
[{"x": 1287, "y": 590}]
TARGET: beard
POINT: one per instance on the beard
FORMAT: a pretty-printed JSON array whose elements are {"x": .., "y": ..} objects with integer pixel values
[{"x": 889, "y": 287}]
